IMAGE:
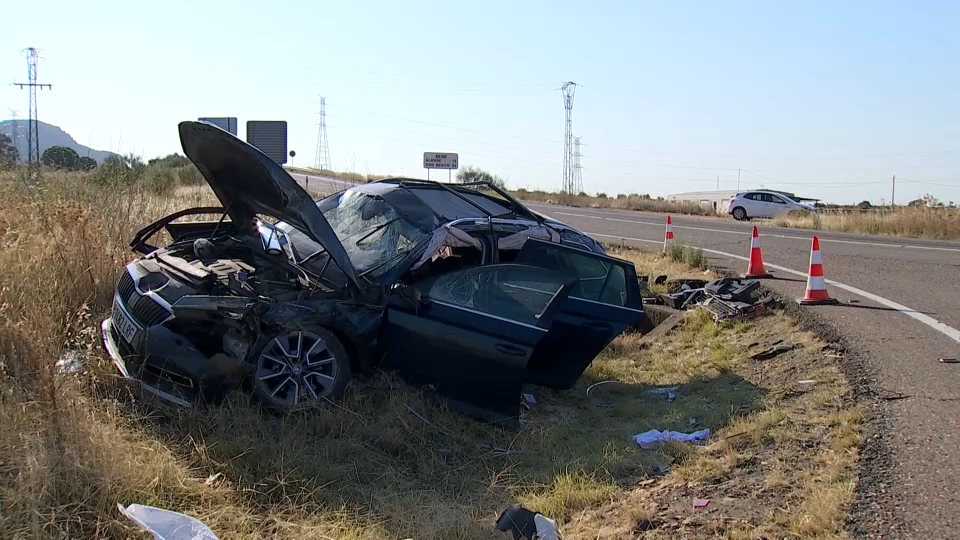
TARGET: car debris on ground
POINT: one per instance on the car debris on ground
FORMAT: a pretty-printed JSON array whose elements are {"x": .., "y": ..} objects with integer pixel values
[
  {"x": 727, "y": 298},
  {"x": 458, "y": 288},
  {"x": 527, "y": 524},
  {"x": 775, "y": 350}
]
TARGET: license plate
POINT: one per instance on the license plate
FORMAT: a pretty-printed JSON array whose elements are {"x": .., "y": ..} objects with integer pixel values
[{"x": 124, "y": 324}]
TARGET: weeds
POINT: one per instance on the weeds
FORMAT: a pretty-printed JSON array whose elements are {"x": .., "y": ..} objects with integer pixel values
[
  {"x": 933, "y": 223},
  {"x": 689, "y": 255},
  {"x": 72, "y": 446}
]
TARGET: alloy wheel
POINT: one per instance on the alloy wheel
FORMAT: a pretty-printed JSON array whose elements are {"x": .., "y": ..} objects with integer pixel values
[{"x": 296, "y": 367}]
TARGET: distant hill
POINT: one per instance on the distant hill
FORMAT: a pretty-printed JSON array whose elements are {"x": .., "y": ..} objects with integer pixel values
[{"x": 50, "y": 135}]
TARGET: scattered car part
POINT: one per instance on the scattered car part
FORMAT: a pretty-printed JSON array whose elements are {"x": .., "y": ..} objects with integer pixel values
[
  {"x": 776, "y": 349},
  {"x": 526, "y": 524}
]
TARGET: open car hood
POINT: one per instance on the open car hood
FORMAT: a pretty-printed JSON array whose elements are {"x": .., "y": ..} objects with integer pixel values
[{"x": 248, "y": 183}]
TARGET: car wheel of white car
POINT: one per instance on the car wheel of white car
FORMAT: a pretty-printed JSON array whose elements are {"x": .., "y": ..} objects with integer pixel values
[
  {"x": 739, "y": 213},
  {"x": 299, "y": 366}
]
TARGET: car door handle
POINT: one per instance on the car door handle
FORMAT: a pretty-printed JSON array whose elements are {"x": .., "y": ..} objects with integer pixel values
[
  {"x": 512, "y": 350},
  {"x": 594, "y": 325}
]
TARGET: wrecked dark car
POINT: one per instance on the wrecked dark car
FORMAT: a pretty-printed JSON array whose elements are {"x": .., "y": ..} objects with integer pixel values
[{"x": 459, "y": 288}]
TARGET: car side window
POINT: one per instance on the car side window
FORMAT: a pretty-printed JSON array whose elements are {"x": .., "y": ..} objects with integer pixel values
[
  {"x": 753, "y": 196},
  {"x": 517, "y": 293},
  {"x": 774, "y": 199},
  {"x": 598, "y": 278}
]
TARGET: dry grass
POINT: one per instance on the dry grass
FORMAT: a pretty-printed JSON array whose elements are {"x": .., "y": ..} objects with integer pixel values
[
  {"x": 933, "y": 223},
  {"x": 72, "y": 446},
  {"x": 643, "y": 203}
]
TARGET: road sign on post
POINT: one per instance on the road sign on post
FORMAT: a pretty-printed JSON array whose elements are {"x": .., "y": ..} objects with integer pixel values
[
  {"x": 226, "y": 123},
  {"x": 441, "y": 160},
  {"x": 270, "y": 137}
]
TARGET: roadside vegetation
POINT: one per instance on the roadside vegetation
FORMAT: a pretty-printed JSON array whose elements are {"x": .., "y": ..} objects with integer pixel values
[
  {"x": 386, "y": 462},
  {"x": 936, "y": 222},
  {"x": 691, "y": 256}
]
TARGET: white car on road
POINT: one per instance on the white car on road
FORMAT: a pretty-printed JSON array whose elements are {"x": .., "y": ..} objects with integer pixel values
[{"x": 763, "y": 204}]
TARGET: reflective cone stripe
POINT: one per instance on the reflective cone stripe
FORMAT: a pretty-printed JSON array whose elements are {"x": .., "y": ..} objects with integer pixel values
[
  {"x": 816, "y": 283},
  {"x": 668, "y": 236},
  {"x": 755, "y": 267}
]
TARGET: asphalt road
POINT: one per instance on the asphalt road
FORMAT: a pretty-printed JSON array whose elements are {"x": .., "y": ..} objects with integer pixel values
[
  {"x": 898, "y": 317},
  {"x": 913, "y": 486}
]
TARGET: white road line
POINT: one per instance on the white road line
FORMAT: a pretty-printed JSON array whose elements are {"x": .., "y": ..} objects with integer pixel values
[
  {"x": 804, "y": 238},
  {"x": 948, "y": 331}
]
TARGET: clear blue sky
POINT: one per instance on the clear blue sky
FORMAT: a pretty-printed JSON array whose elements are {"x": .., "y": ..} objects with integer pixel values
[{"x": 827, "y": 99}]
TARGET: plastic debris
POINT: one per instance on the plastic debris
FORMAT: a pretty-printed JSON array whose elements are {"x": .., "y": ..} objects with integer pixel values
[
  {"x": 592, "y": 386},
  {"x": 70, "y": 362},
  {"x": 777, "y": 349},
  {"x": 527, "y": 524},
  {"x": 653, "y": 437},
  {"x": 166, "y": 524},
  {"x": 671, "y": 397},
  {"x": 701, "y": 503},
  {"x": 663, "y": 390},
  {"x": 529, "y": 399},
  {"x": 949, "y": 361}
]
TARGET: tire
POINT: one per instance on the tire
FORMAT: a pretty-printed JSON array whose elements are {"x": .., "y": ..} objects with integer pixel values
[
  {"x": 739, "y": 213},
  {"x": 299, "y": 366}
]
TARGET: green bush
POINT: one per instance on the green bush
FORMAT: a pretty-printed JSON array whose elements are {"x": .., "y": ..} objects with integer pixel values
[
  {"x": 689, "y": 255},
  {"x": 160, "y": 180}
]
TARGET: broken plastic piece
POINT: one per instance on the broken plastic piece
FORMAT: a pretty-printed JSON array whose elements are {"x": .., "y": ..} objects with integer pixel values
[
  {"x": 529, "y": 399},
  {"x": 526, "y": 524},
  {"x": 776, "y": 350},
  {"x": 701, "y": 503},
  {"x": 653, "y": 437},
  {"x": 671, "y": 397},
  {"x": 949, "y": 361},
  {"x": 166, "y": 524}
]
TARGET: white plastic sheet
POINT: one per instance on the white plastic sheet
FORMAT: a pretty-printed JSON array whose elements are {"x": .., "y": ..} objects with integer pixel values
[
  {"x": 546, "y": 528},
  {"x": 166, "y": 524},
  {"x": 651, "y": 438}
]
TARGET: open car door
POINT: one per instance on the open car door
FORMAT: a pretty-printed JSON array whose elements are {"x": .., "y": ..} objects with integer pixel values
[
  {"x": 471, "y": 333},
  {"x": 603, "y": 302}
]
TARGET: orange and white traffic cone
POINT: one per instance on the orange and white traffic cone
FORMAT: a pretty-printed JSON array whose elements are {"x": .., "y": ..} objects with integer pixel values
[
  {"x": 816, "y": 284},
  {"x": 755, "y": 267},
  {"x": 668, "y": 236}
]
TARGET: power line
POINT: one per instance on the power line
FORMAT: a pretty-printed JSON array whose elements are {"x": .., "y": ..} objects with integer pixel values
[
  {"x": 414, "y": 143},
  {"x": 444, "y": 126},
  {"x": 577, "y": 168},
  {"x": 454, "y": 138}
]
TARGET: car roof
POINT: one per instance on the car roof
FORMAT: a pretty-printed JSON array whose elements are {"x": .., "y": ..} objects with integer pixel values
[{"x": 426, "y": 201}]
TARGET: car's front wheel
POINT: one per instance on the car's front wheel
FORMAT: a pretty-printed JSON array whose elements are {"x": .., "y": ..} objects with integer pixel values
[
  {"x": 739, "y": 213},
  {"x": 299, "y": 366}
]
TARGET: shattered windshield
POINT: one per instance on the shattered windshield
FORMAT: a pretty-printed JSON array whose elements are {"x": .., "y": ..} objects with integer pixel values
[{"x": 374, "y": 235}]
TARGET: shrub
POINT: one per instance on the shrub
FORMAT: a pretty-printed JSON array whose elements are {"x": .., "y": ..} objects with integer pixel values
[{"x": 689, "y": 255}]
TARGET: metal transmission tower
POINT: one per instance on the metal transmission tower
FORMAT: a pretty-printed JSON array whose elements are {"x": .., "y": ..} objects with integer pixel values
[
  {"x": 33, "y": 140},
  {"x": 568, "y": 89},
  {"x": 322, "y": 160},
  {"x": 577, "y": 169}
]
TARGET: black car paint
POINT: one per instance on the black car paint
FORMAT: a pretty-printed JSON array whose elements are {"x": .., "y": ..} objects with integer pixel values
[
  {"x": 477, "y": 361},
  {"x": 248, "y": 183}
]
